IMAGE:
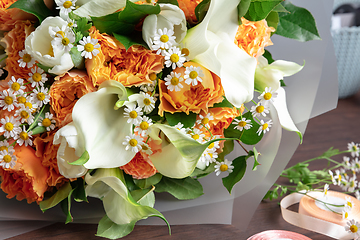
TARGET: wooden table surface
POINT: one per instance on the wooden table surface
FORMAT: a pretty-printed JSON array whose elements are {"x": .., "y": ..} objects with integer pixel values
[{"x": 335, "y": 128}]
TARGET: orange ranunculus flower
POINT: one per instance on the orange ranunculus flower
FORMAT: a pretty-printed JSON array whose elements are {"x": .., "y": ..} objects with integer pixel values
[
  {"x": 131, "y": 67},
  {"x": 27, "y": 180},
  {"x": 65, "y": 92},
  {"x": 8, "y": 17},
  {"x": 14, "y": 41},
  {"x": 188, "y": 7},
  {"x": 253, "y": 37},
  {"x": 191, "y": 98},
  {"x": 47, "y": 152},
  {"x": 140, "y": 166}
]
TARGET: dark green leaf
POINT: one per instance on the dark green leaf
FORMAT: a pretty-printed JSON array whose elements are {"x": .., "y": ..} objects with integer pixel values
[
  {"x": 201, "y": 10},
  {"x": 273, "y": 20},
  {"x": 243, "y": 7},
  {"x": 83, "y": 26},
  {"x": 131, "y": 40},
  {"x": 280, "y": 8},
  {"x": 228, "y": 148},
  {"x": 282, "y": 83},
  {"x": 109, "y": 229},
  {"x": 66, "y": 206},
  {"x": 255, "y": 154},
  {"x": 77, "y": 59},
  {"x": 35, "y": 7},
  {"x": 129, "y": 182},
  {"x": 198, "y": 173},
  {"x": 148, "y": 182},
  {"x": 173, "y": 2},
  {"x": 79, "y": 190},
  {"x": 187, "y": 120},
  {"x": 82, "y": 160},
  {"x": 182, "y": 189},
  {"x": 60, "y": 195},
  {"x": 299, "y": 24},
  {"x": 237, "y": 174},
  {"x": 224, "y": 103},
  {"x": 139, "y": 194},
  {"x": 268, "y": 57},
  {"x": 260, "y": 9}
]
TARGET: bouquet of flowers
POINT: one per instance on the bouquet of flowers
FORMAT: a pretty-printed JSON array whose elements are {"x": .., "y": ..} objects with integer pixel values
[{"x": 120, "y": 99}]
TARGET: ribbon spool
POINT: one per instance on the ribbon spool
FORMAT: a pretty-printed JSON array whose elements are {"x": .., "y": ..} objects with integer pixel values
[{"x": 278, "y": 234}]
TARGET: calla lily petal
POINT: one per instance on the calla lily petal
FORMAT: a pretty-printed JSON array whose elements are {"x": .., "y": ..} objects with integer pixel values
[
  {"x": 98, "y": 8},
  {"x": 102, "y": 128},
  {"x": 184, "y": 151}
]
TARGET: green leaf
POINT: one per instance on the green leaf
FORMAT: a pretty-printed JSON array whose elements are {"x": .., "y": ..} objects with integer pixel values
[
  {"x": 243, "y": 7},
  {"x": 182, "y": 189},
  {"x": 228, "y": 148},
  {"x": 201, "y": 10},
  {"x": 144, "y": 197},
  {"x": 82, "y": 160},
  {"x": 131, "y": 40},
  {"x": 65, "y": 207},
  {"x": 268, "y": 56},
  {"x": 77, "y": 59},
  {"x": 173, "y": 2},
  {"x": 129, "y": 182},
  {"x": 224, "y": 103},
  {"x": 198, "y": 173},
  {"x": 109, "y": 229},
  {"x": 79, "y": 190},
  {"x": 148, "y": 182},
  {"x": 38, "y": 130},
  {"x": 187, "y": 120},
  {"x": 273, "y": 20},
  {"x": 83, "y": 26},
  {"x": 124, "y": 22},
  {"x": 260, "y": 9},
  {"x": 299, "y": 24},
  {"x": 237, "y": 174},
  {"x": 330, "y": 153},
  {"x": 255, "y": 154},
  {"x": 60, "y": 195},
  {"x": 35, "y": 7},
  {"x": 280, "y": 8},
  {"x": 282, "y": 83}
]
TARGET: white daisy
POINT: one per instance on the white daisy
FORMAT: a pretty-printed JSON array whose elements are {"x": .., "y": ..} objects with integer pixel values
[
  {"x": 179, "y": 126},
  {"x": 326, "y": 189},
  {"x": 346, "y": 162},
  {"x": 146, "y": 149},
  {"x": 26, "y": 60},
  {"x": 197, "y": 135},
  {"x": 193, "y": 75},
  {"x": 134, "y": 114},
  {"x": 352, "y": 184},
  {"x": 267, "y": 96},
  {"x": 333, "y": 179},
  {"x": 4, "y": 146},
  {"x": 346, "y": 212},
  {"x": 242, "y": 124},
  {"x": 353, "y": 226},
  {"x": 88, "y": 47},
  {"x": 25, "y": 115},
  {"x": 64, "y": 40},
  {"x": 16, "y": 86},
  {"x": 146, "y": 102},
  {"x": 224, "y": 166},
  {"x": 40, "y": 96},
  {"x": 208, "y": 156},
  {"x": 349, "y": 203},
  {"x": 71, "y": 23},
  {"x": 10, "y": 126},
  {"x": 204, "y": 120},
  {"x": 48, "y": 122},
  {"x": 265, "y": 127},
  {"x": 7, "y": 100},
  {"x": 173, "y": 81},
  {"x": 259, "y": 109},
  {"x": 143, "y": 126},
  {"x": 149, "y": 87},
  {"x": 133, "y": 143},
  {"x": 24, "y": 137},
  {"x": 174, "y": 58},
  {"x": 7, "y": 159},
  {"x": 37, "y": 77},
  {"x": 65, "y": 6},
  {"x": 164, "y": 39},
  {"x": 354, "y": 148}
]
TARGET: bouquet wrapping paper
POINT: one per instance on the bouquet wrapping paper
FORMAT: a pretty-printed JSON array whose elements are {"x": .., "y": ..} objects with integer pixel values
[{"x": 313, "y": 91}]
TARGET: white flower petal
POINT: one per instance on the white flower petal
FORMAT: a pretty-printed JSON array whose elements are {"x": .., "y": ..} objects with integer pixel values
[{"x": 98, "y": 8}]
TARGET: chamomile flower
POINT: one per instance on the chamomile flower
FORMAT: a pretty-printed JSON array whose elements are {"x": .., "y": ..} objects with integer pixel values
[
  {"x": 174, "y": 58},
  {"x": 193, "y": 75},
  {"x": 71, "y": 23},
  {"x": 354, "y": 148},
  {"x": 346, "y": 212},
  {"x": 197, "y": 135},
  {"x": 48, "y": 122},
  {"x": 204, "y": 120},
  {"x": 5, "y": 146},
  {"x": 26, "y": 60},
  {"x": 64, "y": 40},
  {"x": 146, "y": 149},
  {"x": 355, "y": 164},
  {"x": 143, "y": 126},
  {"x": 267, "y": 96},
  {"x": 65, "y": 6},
  {"x": 149, "y": 87},
  {"x": 333, "y": 179},
  {"x": 173, "y": 81},
  {"x": 24, "y": 137},
  {"x": 224, "y": 166},
  {"x": 208, "y": 156},
  {"x": 353, "y": 226},
  {"x": 265, "y": 127},
  {"x": 146, "y": 102},
  {"x": 134, "y": 114},
  {"x": 10, "y": 126},
  {"x": 326, "y": 189},
  {"x": 24, "y": 114},
  {"x": 179, "y": 126},
  {"x": 259, "y": 110},
  {"x": 40, "y": 96},
  {"x": 7, "y": 100},
  {"x": 31, "y": 104},
  {"x": 88, "y": 47},
  {"x": 242, "y": 124},
  {"x": 164, "y": 39},
  {"x": 37, "y": 77},
  {"x": 7, "y": 159},
  {"x": 133, "y": 143},
  {"x": 352, "y": 184},
  {"x": 349, "y": 203},
  {"x": 346, "y": 162},
  {"x": 16, "y": 86}
]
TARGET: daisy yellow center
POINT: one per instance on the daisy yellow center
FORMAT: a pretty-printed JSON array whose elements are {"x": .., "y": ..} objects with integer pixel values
[
  {"x": 210, "y": 154},
  {"x": 36, "y": 77},
  {"x": 242, "y": 124},
  {"x": 7, "y": 158},
  {"x": 205, "y": 121},
  {"x": 133, "y": 142},
  {"x": 67, "y": 4},
  {"x": 152, "y": 76},
  {"x": 26, "y": 58},
  {"x": 265, "y": 126},
  {"x": 224, "y": 167},
  {"x": 3, "y": 148},
  {"x": 352, "y": 184},
  {"x": 8, "y": 100},
  {"x": 193, "y": 74},
  {"x": 46, "y": 122},
  {"x": 144, "y": 125},
  {"x": 354, "y": 148},
  {"x": 349, "y": 204},
  {"x": 24, "y": 136},
  {"x": 211, "y": 145},
  {"x": 61, "y": 33},
  {"x": 21, "y": 99},
  {"x": 65, "y": 41},
  {"x": 40, "y": 96},
  {"x": 346, "y": 215},
  {"x": 133, "y": 114},
  {"x": 29, "y": 105},
  {"x": 144, "y": 147},
  {"x": 185, "y": 51},
  {"x": 174, "y": 81},
  {"x": 353, "y": 228},
  {"x": 325, "y": 191},
  {"x": 15, "y": 86},
  {"x": 9, "y": 126},
  {"x": 174, "y": 57},
  {"x": 267, "y": 96},
  {"x": 164, "y": 38},
  {"x": 89, "y": 47},
  {"x": 196, "y": 136},
  {"x": 24, "y": 114},
  {"x": 147, "y": 101},
  {"x": 70, "y": 24},
  {"x": 260, "y": 109},
  {"x": 51, "y": 51},
  {"x": 339, "y": 177}
]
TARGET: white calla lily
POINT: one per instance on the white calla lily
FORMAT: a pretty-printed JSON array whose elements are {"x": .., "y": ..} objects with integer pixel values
[
  {"x": 102, "y": 127},
  {"x": 211, "y": 44}
]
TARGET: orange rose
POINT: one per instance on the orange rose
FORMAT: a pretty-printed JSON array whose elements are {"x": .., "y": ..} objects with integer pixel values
[
  {"x": 191, "y": 98},
  {"x": 140, "y": 166},
  {"x": 8, "y": 17},
  {"x": 188, "y": 7},
  {"x": 14, "y": 41},
  {"x": 131, "y": 67},
  {"x": 65, "y": 92},
  {"x": 27, "y": 180}
]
